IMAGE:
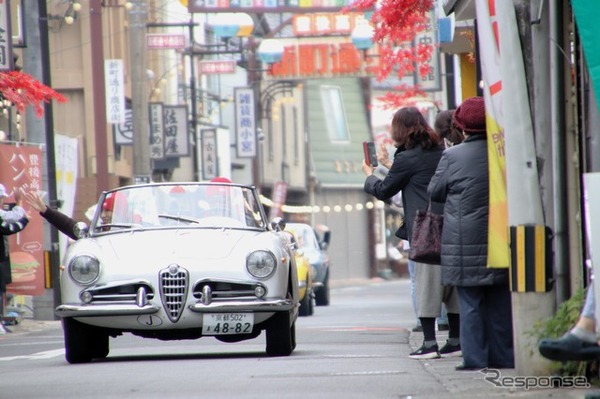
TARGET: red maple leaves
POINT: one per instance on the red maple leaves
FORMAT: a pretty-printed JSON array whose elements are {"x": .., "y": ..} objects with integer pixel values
[
  {"x": 396, "y": 23},
  {"x": 22, "y": 90}
]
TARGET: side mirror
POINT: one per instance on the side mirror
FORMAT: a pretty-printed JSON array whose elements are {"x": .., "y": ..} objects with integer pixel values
[
  {"x": 278, "y": 224},
  {"x": 81, "y": 230},
  {"x": 324, "y": 243}
]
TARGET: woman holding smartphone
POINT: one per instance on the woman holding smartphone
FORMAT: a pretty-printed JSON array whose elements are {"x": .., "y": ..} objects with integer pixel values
[{"x": 418, "y": 151}]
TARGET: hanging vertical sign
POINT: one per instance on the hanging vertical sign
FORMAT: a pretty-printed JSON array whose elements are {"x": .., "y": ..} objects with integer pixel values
[
  {"x": 210, "y": 166},
  {"x": 177, "y": 143},
  {"x": 123, "y": 132},
  {"x": 115, "y": 91},
  {"x": 157, "y": 130},
  {"x": 6, "y": 53},
  {"x": 245, "y": 122},
  {"x": 429, "y": 39}
]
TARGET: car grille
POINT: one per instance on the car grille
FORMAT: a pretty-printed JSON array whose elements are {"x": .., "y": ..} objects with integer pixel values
[
  {"x": 173, "y": 289},
  {"x": 121, "y": 292},
  {"x": 223, "y": 290}
]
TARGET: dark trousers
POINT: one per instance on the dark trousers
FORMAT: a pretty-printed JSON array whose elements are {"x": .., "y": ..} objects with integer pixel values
[{"x": 486, "y": 334}]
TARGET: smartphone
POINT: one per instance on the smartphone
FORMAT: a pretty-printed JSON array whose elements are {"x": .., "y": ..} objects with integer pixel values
[{"x": 370, "y": 153}]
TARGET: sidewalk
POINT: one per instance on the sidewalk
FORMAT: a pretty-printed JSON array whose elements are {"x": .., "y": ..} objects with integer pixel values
[
  {"x": 28, "y": 325},
  {"x": 480, "y": 384}
]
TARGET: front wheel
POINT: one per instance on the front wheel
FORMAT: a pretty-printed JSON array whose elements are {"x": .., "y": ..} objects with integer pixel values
[
  {"x": 82, "y": 342},
  {"x": 281, "y": 336}
]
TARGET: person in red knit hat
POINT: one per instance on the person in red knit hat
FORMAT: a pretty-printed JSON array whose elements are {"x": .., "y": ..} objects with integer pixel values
[{"x": 461, "y": 184}]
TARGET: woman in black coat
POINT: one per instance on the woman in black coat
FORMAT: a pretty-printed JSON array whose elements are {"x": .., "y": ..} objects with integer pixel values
[
  {"x": 415, "y": 161},
  {"x": 461, "y": 183}
]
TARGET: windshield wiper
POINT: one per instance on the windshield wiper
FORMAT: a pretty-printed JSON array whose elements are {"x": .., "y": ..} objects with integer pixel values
[
  {"x": 178, "y": 218},
  {"x": 107, "y": 227}
]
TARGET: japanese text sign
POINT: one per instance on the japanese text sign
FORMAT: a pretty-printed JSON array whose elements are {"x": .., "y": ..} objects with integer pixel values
[
  {"x": 23, "y": 168},
  {"x": 157, "y": 130},
  {"x": 210, "y": 166},
  {"x": 429, "y": 38},
  {"x": 165, "y": 41},
  {"x": 115, "y": 91},
  {"x": 6, "y": 54},
  {"x": 245, "y": 122},
  {"x": 177, "y": 142}
]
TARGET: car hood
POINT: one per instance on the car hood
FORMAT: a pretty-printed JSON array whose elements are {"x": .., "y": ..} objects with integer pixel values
[
  {"x": 199, "y": 244},
  {"x": 166, "y": 245}
]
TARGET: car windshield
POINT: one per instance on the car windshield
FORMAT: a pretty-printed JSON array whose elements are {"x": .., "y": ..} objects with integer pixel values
[
  {"x": 305, "y": 236},
  {"x": 193, "y": 205}
]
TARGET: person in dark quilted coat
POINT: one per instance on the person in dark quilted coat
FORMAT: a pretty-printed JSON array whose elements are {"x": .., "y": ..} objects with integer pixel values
[{"x": 461, "y": 183}]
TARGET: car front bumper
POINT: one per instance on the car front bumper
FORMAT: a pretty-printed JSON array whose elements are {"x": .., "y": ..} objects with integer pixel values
[{"x": 82, "y": 310}]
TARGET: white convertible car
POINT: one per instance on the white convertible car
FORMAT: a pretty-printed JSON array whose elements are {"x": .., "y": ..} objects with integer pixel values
[{"x": 178, "y": 261}]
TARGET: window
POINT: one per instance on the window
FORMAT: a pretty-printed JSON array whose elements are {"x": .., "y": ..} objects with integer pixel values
[{"x": 335, "y": 115}]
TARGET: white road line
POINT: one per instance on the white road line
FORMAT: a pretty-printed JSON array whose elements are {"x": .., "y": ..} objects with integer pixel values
[
  {"x": 362, "y": 373},
  {"x": 36, "y": 356}
]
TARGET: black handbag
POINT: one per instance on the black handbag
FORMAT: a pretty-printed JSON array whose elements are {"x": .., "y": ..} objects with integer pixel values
[{"x": 426, "y": 237}]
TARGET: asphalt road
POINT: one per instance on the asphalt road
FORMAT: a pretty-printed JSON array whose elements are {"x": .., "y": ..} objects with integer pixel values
[{"x": 355, "y": 348}]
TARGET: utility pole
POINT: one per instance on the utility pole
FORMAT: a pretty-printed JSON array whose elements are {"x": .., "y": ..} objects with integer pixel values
[
  {"x": 194, "y": 103},
  {"x": 139, "y": 98},
  {"x": 36, "y": 59},
  {"x": 96, "y": 44}
]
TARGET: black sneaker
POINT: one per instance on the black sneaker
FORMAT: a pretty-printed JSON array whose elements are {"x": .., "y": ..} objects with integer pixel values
[
  {"x": 426, "y": 353},
  {"x": 417, "y": 328},
  {"x": 449, "y": 350}
]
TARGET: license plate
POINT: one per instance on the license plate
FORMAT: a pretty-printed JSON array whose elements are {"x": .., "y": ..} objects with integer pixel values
[{"x": 227, "y": 323}]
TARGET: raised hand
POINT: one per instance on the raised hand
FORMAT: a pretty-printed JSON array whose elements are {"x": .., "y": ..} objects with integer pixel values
[{"x": 34, "y": 199}]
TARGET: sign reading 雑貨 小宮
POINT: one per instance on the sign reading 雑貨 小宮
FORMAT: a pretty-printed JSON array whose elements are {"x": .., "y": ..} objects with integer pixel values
[
  {"x": 245, "y": 122},
  {"x": 271, "y": 6}
]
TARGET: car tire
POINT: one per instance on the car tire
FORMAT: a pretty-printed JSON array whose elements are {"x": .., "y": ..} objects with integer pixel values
[
  {"x": 306, "y": 303},
  {"x": 281, "y": 337},
  {"x": 82, "y": 342},
  {"x": 322, "y": 294},
  {"x": 100, "y": 348}
]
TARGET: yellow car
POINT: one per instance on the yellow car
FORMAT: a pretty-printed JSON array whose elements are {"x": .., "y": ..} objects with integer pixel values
[{"x": 305, "y": 278}]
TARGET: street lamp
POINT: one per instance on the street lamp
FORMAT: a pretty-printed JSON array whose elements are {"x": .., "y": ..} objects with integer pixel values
[
  {"x": 228, "y": 25},
  {"x": 362, "y": 36},
  {"x": 270, "y": 51}
]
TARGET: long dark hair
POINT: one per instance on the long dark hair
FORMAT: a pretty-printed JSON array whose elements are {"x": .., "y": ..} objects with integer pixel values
[
  {"x": 445, "y": 127},
  {"x": 409, "y": 129}
]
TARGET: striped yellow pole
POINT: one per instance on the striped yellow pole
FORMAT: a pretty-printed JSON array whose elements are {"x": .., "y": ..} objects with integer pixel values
[{"x": 531, "y": 267}]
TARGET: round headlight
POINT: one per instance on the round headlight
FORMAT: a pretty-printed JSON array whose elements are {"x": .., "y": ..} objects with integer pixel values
[
  {"x": 261, "y": 264},
  {"x": 84, "y": 269}
]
